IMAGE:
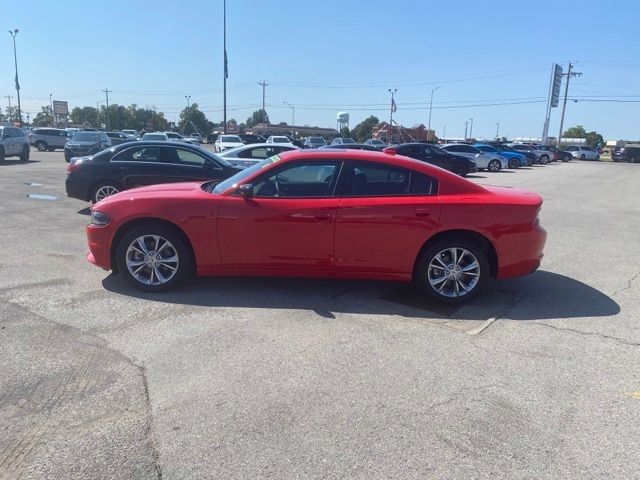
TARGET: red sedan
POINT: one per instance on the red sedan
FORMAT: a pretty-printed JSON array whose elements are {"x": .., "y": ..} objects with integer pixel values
[{"x": 336, "y": 214}]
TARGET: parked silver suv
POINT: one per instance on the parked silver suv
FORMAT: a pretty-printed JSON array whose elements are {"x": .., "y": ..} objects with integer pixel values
[
  {"x": 48, "y": 138},
  {"x": 13, "y": 143}
]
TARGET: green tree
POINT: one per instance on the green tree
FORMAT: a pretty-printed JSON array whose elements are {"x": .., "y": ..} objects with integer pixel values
[
  {"x": 192, "y": 120},
  {"x": 345, "y": 133},
  {"x": 364, "y": 129},
  {"x": 257, "y": 117},
  {"x": 593, "y": 138},
  {"x": 43, "y": 117},
  {"x": 84, "y": 116}
]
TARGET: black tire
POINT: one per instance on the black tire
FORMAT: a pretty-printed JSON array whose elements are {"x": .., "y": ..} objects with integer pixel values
[
  {"x": 179, "y": 248},
  {"x": 514, "y": 163},
  {"x": 24, "y": 156},
  {"x": 421, "y": 276},
  {"x": 582, "y": 157},
  {"x": 41, "y": 146},
  {"x": 461, "y": 170},
  {"x": 51, "y": 149},
  {"x": 1, "y": 154},
  {"x": 494, "y": 166},
  {"x": 544, "y": 159},
  {"x": 98, "y": 189}
]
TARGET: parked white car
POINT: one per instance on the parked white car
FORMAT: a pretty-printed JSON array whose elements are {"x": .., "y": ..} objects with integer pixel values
[
  {"x": 280, "y": 140},
  {"x": 542, "y": 156},
  {"x": 155, "y": 136},
  {"x": 583, "y": 153},
  {"x": 176, "y": 137},
  {"x": 226, "y": 142},
  {"x": 488, "y": 161},
  {"x": 247, "y": 155}
]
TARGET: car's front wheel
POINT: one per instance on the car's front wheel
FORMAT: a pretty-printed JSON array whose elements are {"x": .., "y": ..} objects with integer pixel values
[
  {"x": 544, "y": 159},
  {"x": 41, "y": 146},
  {"x": 24, "y": 155},
  {"x": 461, "y": 170},
  {"x": 453, "y": 271},
  {"x": 154, "y": 258},
  {"x": 514, "y": 163},
  {"x": 494, "y": 165}
]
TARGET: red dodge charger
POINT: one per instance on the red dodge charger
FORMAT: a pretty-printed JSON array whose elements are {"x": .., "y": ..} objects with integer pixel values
[{"x": 337, "y": 214}]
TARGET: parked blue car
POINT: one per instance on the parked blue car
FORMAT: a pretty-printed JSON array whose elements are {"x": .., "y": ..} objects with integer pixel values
[{"x": 515, "y": 159}]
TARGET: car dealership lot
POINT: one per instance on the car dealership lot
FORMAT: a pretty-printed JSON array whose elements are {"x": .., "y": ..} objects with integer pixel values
[{"x": 255, "y": 378}]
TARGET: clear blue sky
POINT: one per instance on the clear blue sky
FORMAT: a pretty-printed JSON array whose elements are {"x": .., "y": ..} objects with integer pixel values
[{"x": 330, "y": 56}]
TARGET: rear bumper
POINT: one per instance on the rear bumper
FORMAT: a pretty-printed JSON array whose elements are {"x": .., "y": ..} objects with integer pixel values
[
  {"x": 523, "y": 257},
  {"x": 75, "y": 189}
]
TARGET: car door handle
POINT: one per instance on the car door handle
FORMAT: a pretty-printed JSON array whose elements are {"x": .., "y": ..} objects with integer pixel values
[
  {"x": 423, "y": 212},
  {"x": 322, "y": 216}
]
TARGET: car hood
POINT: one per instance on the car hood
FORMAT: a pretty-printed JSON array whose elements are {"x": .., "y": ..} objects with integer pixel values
[
  {"x": 515, "y": 195},
  {"x": 82, "y": 144},
  {"x": 231, "y": 144},
  {"x": 164, "y": 191}
]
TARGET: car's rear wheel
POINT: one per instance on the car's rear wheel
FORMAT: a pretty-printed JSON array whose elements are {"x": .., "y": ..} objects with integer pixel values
[
  {"x": 24, "y": 155},
  {"x": 544, "y": 159},
  {"x": 104, "y": 190},
  {"x": 494, "y": 165},
  {"x": 154, "y": 258},
  {"x": 1, "y": 154},
  {"x": 453, "y": 271},
  {"x": 514, "y": 163},
  {"x": 461, "y": 170},
  {"x": 41, "y": 146},
  {"x": 51, "y": 149},
  {"x": 582, "y": 157}
]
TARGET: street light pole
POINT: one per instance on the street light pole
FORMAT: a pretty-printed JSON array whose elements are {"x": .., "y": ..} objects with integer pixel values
[
  {"x": 293, "y": 112},
  {"x": 15, "y": 59},
  {"x": 51, "y": 109},
  {"x": 188, "y": 97},
  {"x": 466, "y": 126},
  {"x": 471, "y": 128},
  {"x": 393, "y": 105},
  {"x": 430, "y": 108},
  {"x": 226, "y": 71},
  {"x": 497, "y": 130}
]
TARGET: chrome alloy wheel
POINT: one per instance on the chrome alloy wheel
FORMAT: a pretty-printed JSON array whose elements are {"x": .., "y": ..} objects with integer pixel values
[
  {"x": 152, "y": 260},
  {"x": 453, "y": 272},
  {"x": 105, "y": 191}
]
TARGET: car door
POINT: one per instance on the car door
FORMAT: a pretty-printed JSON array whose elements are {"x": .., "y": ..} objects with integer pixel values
[
  {"x": 288, "y": 224},
  {"x": 435, "y": 156},
  {"x": 9, "y": 141},
  {"x": 384, "y": 216},
  {"x": 139, "y": 166}
]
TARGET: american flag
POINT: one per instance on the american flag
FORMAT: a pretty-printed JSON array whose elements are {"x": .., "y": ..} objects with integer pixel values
[{"x": 394, "y": 107}]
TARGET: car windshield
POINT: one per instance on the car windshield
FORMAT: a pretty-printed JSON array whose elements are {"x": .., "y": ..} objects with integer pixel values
[
  {"x": 348, "y": 140},
  {"x": 153, "y": 136},
  {"x": 240, "y": 176},
  {"x": 317, "y": 140},
  {"x": 174, "y": 135},
  {"x": 230, "y": 139},
  {"x": 86, "y": 137},
  {"x": 279, "y": 139},
  {"x": 486, "y": 148}
]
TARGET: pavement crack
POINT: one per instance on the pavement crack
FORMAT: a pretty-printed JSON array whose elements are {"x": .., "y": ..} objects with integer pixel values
[
  {"x": 151, "y": 435},
  {"x": 592, "y": 334},
  {"x": 628, "y": 286}
]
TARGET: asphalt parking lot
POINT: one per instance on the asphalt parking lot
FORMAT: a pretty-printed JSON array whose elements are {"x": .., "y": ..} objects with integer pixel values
[{"x": 277, "y": 378}]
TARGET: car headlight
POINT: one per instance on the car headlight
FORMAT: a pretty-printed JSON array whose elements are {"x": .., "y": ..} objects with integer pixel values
[
  {"x": 536, "y": 221},
  {"x": 99, "y": 218}
]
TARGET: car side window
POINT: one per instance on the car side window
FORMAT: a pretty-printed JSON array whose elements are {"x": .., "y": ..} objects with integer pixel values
[
  {"x": 310, "y": 179},
  {"x": 188, "y": 157},
  {"x": 372, "y": 180},
  {"x": 141, "y": 154},
  {"x": 7, "y": 133},
  {"x": 453, "y": 148}
]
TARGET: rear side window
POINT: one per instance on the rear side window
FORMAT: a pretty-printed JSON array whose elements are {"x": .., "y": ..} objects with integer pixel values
[
  {"x": 372, "y": 180},
  {"x": 141, "y": 154}
]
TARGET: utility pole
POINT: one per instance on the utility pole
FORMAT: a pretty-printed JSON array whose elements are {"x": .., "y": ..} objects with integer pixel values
[
  {"x": 28, "y": 118},
  {"x": 497, "y": 130},
  {"x": 51, "y": 108},
  {"x": 471, "y": 128},
  {"x": 466, "y": 125},
  {"x": 393, "y": 109},
  {"x": 15, "y": 59},
  {"x": 106, "y": 113},
  {"x": 226, "y": 69},
  {"x": 293, "y": 112},
  {"x": 569, "y": 74},
  {"x": 430, "y": 107},
  {"x": 444, "y": 131},
  {"x": 264, "y": 85},
  {"x": 9, "y": 97},
  {"x": 188, "y": 97}
]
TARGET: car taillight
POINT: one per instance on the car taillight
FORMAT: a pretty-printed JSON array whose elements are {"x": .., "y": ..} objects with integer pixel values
[
  {"x": 72, "y": 167},
  {"x": 536, "y": 220}
]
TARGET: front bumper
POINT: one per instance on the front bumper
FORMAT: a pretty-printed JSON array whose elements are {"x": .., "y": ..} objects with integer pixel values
[{"x": 99, "y": 240}]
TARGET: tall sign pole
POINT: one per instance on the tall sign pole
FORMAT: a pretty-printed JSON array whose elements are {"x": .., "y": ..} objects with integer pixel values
[
  {"x": 226, "y": 68},
  {"x": 569, "y": 74},
  {"x": 552, "y": 99},
  {"x": 15, "y": 59},
  {"x": 392, "y": 109}
]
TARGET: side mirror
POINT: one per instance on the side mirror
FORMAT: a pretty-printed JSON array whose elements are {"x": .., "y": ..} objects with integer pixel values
[{"x": 246, "y": 190}]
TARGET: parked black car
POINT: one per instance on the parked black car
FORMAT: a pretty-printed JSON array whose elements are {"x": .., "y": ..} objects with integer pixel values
[
  {"x": 563, "y": 155},
  {"x": 352, "y": 146},
  {"x": 249, "y": 138},
  {"x": 530, "y": 156},
  {"x": 86, "y": 143},
  {"x": 142, "y": 163},
  {"x": 118, "y": 137},
  {"x": 432, "y": 154},
  {"x": 629, "y": 153}
]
